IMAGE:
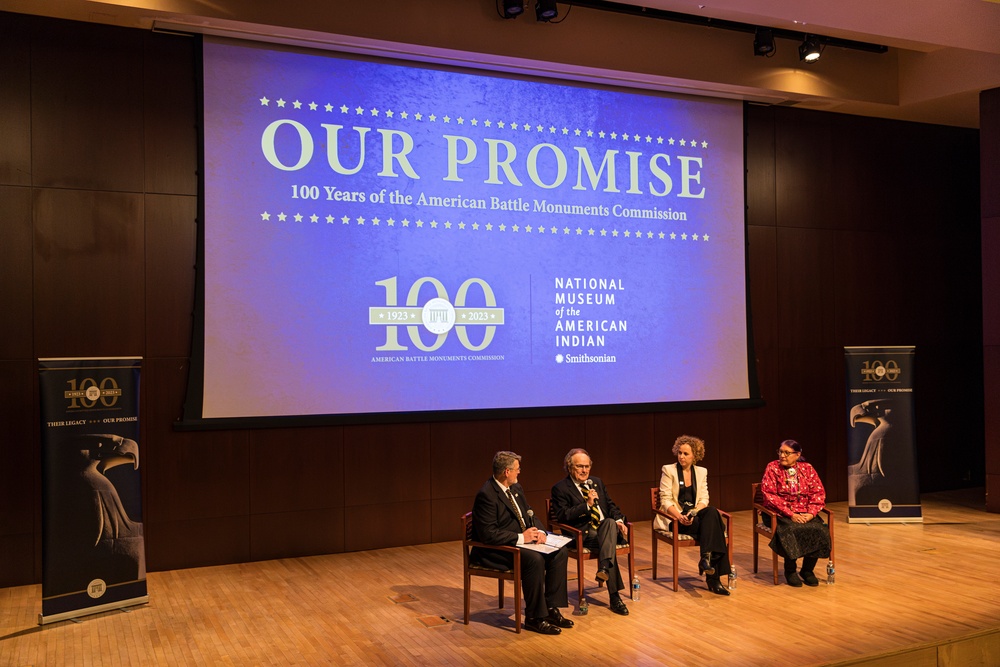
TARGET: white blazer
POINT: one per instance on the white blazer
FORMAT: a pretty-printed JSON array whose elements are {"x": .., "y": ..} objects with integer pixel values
[{"x": 670, "y": 488}]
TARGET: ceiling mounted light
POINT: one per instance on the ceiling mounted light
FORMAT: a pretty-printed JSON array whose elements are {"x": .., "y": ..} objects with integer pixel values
[
  {"x": 763, "y": 42},
  {"x": 810, "y": 49},
  {"x": 512, "y": 8},
  {"x": 546, "y": 10}
]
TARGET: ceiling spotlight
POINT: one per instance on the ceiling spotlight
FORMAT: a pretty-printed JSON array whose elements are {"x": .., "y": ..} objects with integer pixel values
[
  {"x": 546, "y": 10},
  {"x": 763, "y": 42},
  {"x": 512, "y": 8},
  {"x": 810, "y": 49}
]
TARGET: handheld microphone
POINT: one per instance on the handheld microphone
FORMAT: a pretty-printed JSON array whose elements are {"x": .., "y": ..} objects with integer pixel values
[{"x": 531, "y": 518}]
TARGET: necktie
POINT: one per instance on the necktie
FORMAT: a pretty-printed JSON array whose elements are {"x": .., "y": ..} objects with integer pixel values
[
  {"x": 595, "y": 514},
  {"x": 517, "y": 510}
]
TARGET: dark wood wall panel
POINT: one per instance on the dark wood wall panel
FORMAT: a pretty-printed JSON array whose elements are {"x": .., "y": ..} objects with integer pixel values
[
  {"x": 387, "y": 486},
  {"x": 86, "y": 107},
  {"x": 88, "y": 269},
  {"x": 15, "y": 271},
  {"x": 860, "y": 231},
  {"x": 170, "y": 123},
  {"x": 297, "y": 533},
  {"x": 296, "y": 492},
  {"x": 197, "y": 542},
  {"x": 15, "y": 101},
  {"x": 991, "y": 368},
  {"x": 19, "y": 493},
  {"x": 296, "y": 469},
  {"x": 621, "y": 447},
  {"x": 989, "y": 118},
  {"x": 759, "y": 147},
  {"x": 461, "y": 453},
  {"x": 171, "y": 243},
  {"x": 543, "y": 442}
]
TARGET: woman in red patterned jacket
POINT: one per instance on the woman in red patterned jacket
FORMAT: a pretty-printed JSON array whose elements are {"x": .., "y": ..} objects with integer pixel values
[{"x": 794, "y": 491}]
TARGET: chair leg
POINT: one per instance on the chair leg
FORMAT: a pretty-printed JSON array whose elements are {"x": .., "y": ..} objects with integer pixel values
[
  {"x": 468, "y": 595},
  {"x": 774, "y": 565},
  {"x": 579, "y": 581},
  {"x": 654, "y": 555},
  {"x": 631, "y": 570},
  {"x": 500, "y": 593},
  {"x": 517, "y": 606},
  {"x": 675, "y": 566},
  {"x": 756, "y": 537}
]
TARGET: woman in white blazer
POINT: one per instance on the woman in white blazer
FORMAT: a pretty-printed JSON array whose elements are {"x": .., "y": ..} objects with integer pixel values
[{"x": 684, "y": 497}]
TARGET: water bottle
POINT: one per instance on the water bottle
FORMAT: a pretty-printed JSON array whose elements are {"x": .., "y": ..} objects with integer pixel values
[
  {"x": 830, "y": 572},
  {"x": 732, "y": 577},
  {"x": 635, "y": 588},
  {"x": 584, "y": 607}
]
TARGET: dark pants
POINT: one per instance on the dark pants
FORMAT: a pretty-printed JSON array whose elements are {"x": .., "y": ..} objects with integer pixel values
[
  {"x": 603, "y": 542},
  {"x": 543, "y": 580},
  {"x": 710, "y": 531}
]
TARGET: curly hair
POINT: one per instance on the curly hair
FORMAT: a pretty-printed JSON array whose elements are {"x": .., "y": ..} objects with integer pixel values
[{"x": 697, "y": 446}]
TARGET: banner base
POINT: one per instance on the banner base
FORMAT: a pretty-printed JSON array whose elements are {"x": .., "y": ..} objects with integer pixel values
[
  {"x": 898, "y": 519},
  {"x": 77, "y": 613}
]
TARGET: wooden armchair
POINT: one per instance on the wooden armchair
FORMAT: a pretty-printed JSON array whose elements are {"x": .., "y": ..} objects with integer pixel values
[
  {"x": 580, "y": 553},
  {"x": 765, "y": 523},
  {"x": 677, "y": 539},
  {"x": 474, "y": 570}
]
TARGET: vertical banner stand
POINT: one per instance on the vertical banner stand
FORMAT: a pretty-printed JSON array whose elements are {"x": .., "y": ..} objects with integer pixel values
[
  {"x": 882, "y": 481},
  {"x": 93, "y": 551}
]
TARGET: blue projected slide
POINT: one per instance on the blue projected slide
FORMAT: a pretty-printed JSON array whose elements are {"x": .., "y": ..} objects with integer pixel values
[{"x": 384, "y": 238}]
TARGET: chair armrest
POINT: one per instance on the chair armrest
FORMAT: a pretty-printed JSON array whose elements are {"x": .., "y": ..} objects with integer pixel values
[
  {"x": 495, "y": 547},
  {"x": 569, "y": 531},
  {"x": 663, "y": 514},
  {"x": 758, "y": 508}
]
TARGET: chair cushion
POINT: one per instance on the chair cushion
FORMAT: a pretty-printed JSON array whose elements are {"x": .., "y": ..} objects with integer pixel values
[
  {"x": 670, "y": 536},
  {"x": 473, "y": 566},
  {"x": 570, "y": 548}
]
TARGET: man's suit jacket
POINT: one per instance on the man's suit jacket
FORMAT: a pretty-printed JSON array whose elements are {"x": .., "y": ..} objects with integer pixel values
[
  {"x": 494, "y": 522},
  {"x": 569, "y": 506},
  {"x": 670, "y": 486}
]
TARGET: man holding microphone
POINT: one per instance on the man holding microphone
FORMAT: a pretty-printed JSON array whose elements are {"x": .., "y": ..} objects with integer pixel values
[{"x": 583, "y": 502}]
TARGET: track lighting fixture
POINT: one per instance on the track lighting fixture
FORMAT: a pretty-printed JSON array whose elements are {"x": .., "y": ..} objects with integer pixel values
[
  {"x": 763, "y": 42},
  {"x": 546, "y": 10},
  {"x": 810, "y": 49},
  {"x": 512, "y": 8}
]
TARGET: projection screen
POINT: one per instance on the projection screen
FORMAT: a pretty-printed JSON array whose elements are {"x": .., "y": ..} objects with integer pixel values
[{"x": 387, "y": 237}]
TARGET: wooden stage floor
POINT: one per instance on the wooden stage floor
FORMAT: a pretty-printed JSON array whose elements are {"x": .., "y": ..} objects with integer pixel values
[{"x": 904, "y": 595}]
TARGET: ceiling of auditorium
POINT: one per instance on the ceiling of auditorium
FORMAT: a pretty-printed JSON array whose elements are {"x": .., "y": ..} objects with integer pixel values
[{"x": 942, "y": 52}]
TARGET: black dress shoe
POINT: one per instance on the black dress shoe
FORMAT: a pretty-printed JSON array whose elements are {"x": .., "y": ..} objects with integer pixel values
[
  {"x": 705, "y": 564},
  {"x": 793, "y": 579},
  {"x": 541, "y": 626},
  {"x": 602, "y": 575},
  {"x": 618, "y": 607},
  {"x": 716, "y": 587},
  {"x": 556, "y": 618},
  {"x": 809, "y": 579}
]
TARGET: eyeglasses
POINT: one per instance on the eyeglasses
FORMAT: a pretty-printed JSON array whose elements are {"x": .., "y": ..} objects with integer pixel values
[
  {"x": 782, "y": 453},
  {"x": 580, "y": 466}
]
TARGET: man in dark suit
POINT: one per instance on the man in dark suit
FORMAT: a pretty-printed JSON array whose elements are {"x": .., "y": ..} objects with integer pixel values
[
  {"x": 501, "y": 516},
  {"x": 583, "y": 502}
]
